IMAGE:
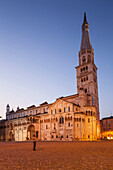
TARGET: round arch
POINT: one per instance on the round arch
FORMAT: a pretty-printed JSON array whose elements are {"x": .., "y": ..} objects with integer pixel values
[{"x": 30, "y": 132}]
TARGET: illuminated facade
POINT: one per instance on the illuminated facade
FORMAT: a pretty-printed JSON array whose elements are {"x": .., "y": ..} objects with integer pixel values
[
  {"x": 106, "y": 125},
  {"x": 74, "y": 117}
]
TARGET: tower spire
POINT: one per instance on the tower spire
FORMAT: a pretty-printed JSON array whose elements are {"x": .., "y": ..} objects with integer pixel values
[
  {"x": 85, "y": 19},
  {"x": 85, "y": 42}
]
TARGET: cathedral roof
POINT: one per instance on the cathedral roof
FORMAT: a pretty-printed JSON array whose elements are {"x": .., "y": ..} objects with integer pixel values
[{"x": 85, "y": 42}]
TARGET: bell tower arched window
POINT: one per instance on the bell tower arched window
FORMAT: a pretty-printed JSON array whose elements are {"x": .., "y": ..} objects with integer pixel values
[
  {"x": 83, "y": 60},
  {"x": 89, "y": 58}
]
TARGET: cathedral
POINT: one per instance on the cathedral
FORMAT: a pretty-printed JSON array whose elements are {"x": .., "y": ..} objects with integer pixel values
[{"x": 69, "y": 118}]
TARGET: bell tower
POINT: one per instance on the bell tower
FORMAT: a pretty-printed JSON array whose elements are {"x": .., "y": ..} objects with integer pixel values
[{"x": 87, "y": 70}]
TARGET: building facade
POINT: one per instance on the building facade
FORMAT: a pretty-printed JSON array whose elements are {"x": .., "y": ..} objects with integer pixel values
[
  {"x": 106, "y": 125},
  {"x": 74, "y": 117}
]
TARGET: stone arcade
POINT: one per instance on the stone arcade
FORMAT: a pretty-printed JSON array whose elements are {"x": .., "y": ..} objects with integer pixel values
[{"x": 74, "y": 117}]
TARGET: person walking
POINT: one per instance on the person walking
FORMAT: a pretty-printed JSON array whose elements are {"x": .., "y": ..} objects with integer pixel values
[{"x": 34, "y": 143}]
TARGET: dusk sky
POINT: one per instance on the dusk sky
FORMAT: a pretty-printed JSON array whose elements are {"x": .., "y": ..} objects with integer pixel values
[{"x": 39, "y": 46}]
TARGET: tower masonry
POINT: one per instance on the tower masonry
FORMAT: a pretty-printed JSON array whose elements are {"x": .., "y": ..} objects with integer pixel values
[{"x": 87, "y": 70}]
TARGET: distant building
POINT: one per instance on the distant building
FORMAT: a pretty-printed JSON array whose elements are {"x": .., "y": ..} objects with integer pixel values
[
  {"x": 106, "y": 125},
  {"x": 74, "y": 117}
]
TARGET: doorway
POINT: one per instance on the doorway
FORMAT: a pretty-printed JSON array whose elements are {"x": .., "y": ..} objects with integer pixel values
[{"x": 30, "y": 132}]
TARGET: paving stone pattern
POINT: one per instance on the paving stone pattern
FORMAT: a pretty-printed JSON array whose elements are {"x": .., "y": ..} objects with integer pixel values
[{"x": 57, "y": 155}]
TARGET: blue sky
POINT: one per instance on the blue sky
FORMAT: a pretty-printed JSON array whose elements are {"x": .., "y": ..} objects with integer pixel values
[{"x": 39, "y": 45}]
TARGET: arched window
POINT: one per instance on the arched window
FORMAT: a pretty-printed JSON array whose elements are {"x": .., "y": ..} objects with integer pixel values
[
  {"x": 64, "y": 109},
  {"x": 61, "y": 120},
  {"x": 66, "y": 119},
  {"x": 75, "y": 119},
  {"x": 86, "y": 67},
  {"x": 69, "y": 109},
  {"x": 89, "y": 58},
  {"x": 85, "y": 90},
  {"x": 83, "y": 59}
]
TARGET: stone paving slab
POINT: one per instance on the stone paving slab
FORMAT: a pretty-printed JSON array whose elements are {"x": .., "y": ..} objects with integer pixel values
[{"x": 56, "y": 155}]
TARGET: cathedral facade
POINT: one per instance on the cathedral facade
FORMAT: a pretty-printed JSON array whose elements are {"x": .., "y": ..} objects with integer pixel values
[{"x": 74, "y": 117}]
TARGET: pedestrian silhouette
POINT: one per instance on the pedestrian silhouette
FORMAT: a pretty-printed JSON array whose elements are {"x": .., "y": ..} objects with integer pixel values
[{"x": 34, "y": 143}]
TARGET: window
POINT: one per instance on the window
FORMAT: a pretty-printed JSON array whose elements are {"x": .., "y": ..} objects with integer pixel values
[
  {"x": 68, "y": 109},
  {"x": 89, "y": 58},
  {"x": 81, "y": 79},
  {"x": 77, "y": 125},
  {"x": 56, "y": 136},
  {"x": 69, "y": 124},
  {"x": 83, "y": 59},
  {"x": 81, "y": 69},
  {"x": 61, "y": 120},
  {"x": 36, "y": 111},
  {"x": 36, "y": 134},
  {"x": 55, "y": 111},
  {"x": 86, "y": 67},
  {"x": 88, "y": 136},
  {"x": 51, "y": 111},
  {"x": 54, "y": 126},
  {"x": 46, "y": 126},
  {"x": 103, "y": 125},
  {"x": 109, "y": 125},
  {"x": 64, "y": 109},
  {"x": 60, "y": 110},
  {"x": 44, "y": 110},
  {"x": 67, "y": 136},
  {"x": 85, "y": 90},
  {"x": 108, "y": 121},
  {"x": 52, "y": 136},
  {"x": 88, "y": 120},
  {"x": 87, "y": 78}
]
